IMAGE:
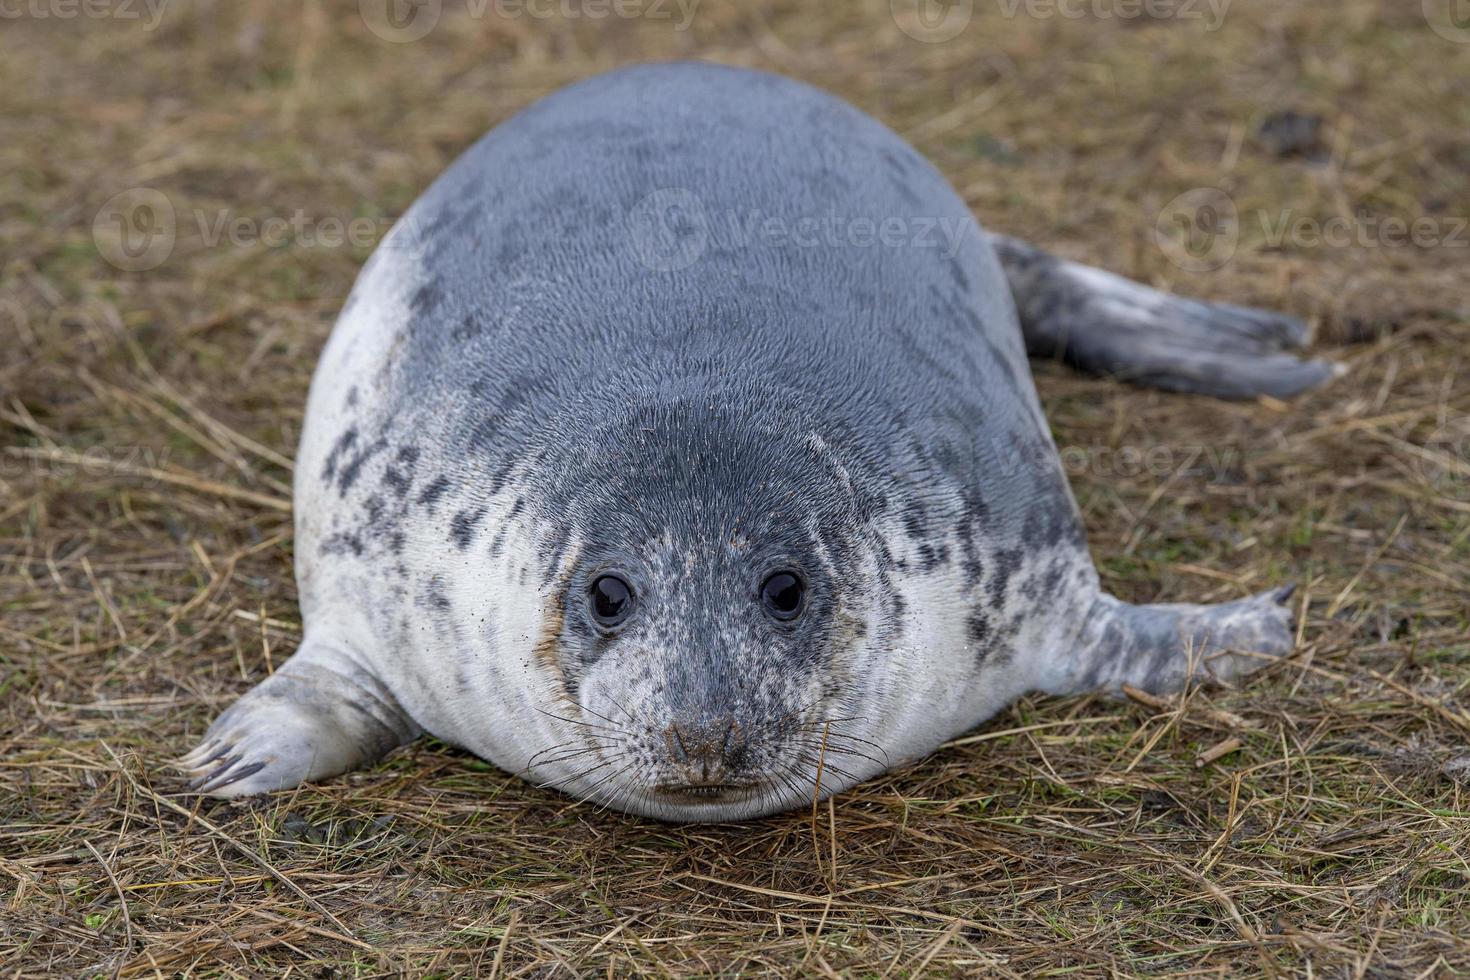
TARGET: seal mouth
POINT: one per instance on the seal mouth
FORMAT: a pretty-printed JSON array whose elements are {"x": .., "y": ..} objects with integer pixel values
[{"x": 703, "y": 792}]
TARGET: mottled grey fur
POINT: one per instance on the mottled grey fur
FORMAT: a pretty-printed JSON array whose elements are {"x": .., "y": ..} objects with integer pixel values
[{"x": 693, "y": 324}]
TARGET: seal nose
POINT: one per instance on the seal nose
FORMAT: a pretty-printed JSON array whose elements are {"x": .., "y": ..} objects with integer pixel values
[{"x": 707, "y": 749}]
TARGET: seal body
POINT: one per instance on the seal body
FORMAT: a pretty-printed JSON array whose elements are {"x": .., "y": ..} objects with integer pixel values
[{"x": 686, "y": 328}]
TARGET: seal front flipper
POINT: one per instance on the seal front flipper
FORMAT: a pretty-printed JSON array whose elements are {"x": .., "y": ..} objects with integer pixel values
[
  {"x": 321, "y": 714},
  {"x": 1105, "y": 324},
  {"x": 1160, "y": 648}
]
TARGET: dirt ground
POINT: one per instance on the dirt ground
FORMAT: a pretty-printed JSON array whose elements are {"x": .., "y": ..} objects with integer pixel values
[{"x": 150, "y": 401}]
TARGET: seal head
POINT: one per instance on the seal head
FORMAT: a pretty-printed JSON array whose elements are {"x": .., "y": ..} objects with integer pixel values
[{"x": 719, "y": 598}]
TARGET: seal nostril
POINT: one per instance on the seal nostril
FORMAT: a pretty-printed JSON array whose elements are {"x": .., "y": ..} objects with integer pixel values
[
  {"x": 674, "y": 736},
  {"x": 732, "y": 738}
]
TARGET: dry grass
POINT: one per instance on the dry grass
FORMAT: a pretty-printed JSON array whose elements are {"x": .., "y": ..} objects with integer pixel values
[{"x": 145, "y": 568}]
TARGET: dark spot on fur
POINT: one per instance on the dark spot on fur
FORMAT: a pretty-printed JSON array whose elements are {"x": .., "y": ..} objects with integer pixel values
[
  {"x": 397, "y": 481},
  {"x": 468, "y": 328},
  {"x": 399, "y": 475},
  {"x": 344, "y": 442},
  {"x": 1007, "y": 563},
  {"x": 970, "y": 563},
  {"x": 434, "y": 490},
  {"x": 373, "y": 505},
  {"x": 462, "y": 527},
  {"x": 342, "y": 543},
  {"x": 979, "y": 629},
  {"x": 353, "y": 470},
  {"x": 426, "y": 299},
  {"x": 434, "y": 593},
  {"x": 1051, "y": 582},
  {"x": 931, "y": 558},
  {"x": 553, "y": 557}
]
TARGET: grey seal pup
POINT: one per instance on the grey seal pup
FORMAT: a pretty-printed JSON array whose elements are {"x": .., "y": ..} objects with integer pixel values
[{"x": 678, "y": 449}]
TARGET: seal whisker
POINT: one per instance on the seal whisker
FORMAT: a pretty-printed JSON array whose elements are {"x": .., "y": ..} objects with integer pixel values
[
  {"x": 596, "y": 714},
  {"x": 564, "y": 757},
  {"x": 588, "y": 743},
  {"x": 576, "y": 721},
  {"x": 619, "y": 705},
  {"x": 558, "y": 784},
  {"x": 846, "y": 737},
  {"x": 592, "y": 790},
  {"x": 793, "y": 783},
  {"x": 832, "y": 732},
  {"x": 611, "y": 801},
  {"x": 552, "y": 748},
  {"x": 802, "y": 779},
  {"x": 576, "y": 754},
  {"x": 802, "y": 709},
  {"x": 837, "y": 742},
  {"x": 853, "y": 753},
  {"x": 779, "y": 780},
  {"x": 818, "y": 722},
  {"x": 825, "y": 765}
]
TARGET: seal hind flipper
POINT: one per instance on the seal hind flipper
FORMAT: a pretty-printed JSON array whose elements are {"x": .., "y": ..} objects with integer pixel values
[
  {"x": 1105, "y": 324},
  {"x": 318, "y": 716},
  {"x": 1160, "y": 648}
]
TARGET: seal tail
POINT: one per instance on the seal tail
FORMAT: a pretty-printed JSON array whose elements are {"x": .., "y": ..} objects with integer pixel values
[{"x": 1108, "y": 325}]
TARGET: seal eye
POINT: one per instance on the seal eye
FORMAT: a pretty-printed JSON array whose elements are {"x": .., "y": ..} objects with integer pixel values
[
  {"x": 782, "y": 595},
  {"x": 612, "y": 600}
]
